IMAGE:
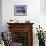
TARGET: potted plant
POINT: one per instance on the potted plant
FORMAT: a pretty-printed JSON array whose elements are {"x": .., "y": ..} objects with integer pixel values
[{"x": 41, "y": 36}]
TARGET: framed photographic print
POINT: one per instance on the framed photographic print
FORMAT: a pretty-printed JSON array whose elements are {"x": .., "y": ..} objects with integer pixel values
[{"x": 20, "y": 10}]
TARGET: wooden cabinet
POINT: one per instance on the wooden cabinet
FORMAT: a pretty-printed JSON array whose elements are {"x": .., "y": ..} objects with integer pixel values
[{"x": 22, "y": 33}]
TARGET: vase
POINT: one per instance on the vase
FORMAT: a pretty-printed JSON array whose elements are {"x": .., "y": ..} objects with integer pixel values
[{"x": 41, "y": 43}]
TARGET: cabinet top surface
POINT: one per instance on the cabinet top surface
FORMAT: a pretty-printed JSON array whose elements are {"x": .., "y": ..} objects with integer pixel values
[{"x": 19, "y": 23}]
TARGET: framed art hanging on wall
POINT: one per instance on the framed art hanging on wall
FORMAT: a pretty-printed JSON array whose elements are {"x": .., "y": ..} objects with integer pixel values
[{"x": 20, "y": 10}]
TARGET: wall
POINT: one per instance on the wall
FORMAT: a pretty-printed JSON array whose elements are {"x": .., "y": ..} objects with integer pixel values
[
  {"x": 43, "y": 14},
  {"x": 43, "y": 6},
  {"x": 0, "y": 15},
  {"x": 33, "y": 10},
  {"x": 34, "y": 14}
]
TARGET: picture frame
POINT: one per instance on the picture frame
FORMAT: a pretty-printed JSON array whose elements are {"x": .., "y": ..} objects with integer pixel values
[{"x": 20, "y": 10}]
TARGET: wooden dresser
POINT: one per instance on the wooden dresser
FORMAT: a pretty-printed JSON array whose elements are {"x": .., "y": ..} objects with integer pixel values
[{"x": 22, "y": 33}]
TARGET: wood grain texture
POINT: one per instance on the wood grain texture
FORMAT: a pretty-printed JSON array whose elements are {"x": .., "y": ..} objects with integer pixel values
[{"x": 23, "y": 27}]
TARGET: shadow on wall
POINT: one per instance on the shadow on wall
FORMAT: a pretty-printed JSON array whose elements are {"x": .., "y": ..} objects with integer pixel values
[{"x": 0, "y": 15}]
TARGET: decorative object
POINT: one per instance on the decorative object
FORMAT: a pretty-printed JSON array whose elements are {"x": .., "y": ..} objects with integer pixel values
[
  {"x": 13, "y": 21},
  {"x": 41, "y": 36},
  {"x": 20, "y": 10},
  {"x": 27, "y": 21}
]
